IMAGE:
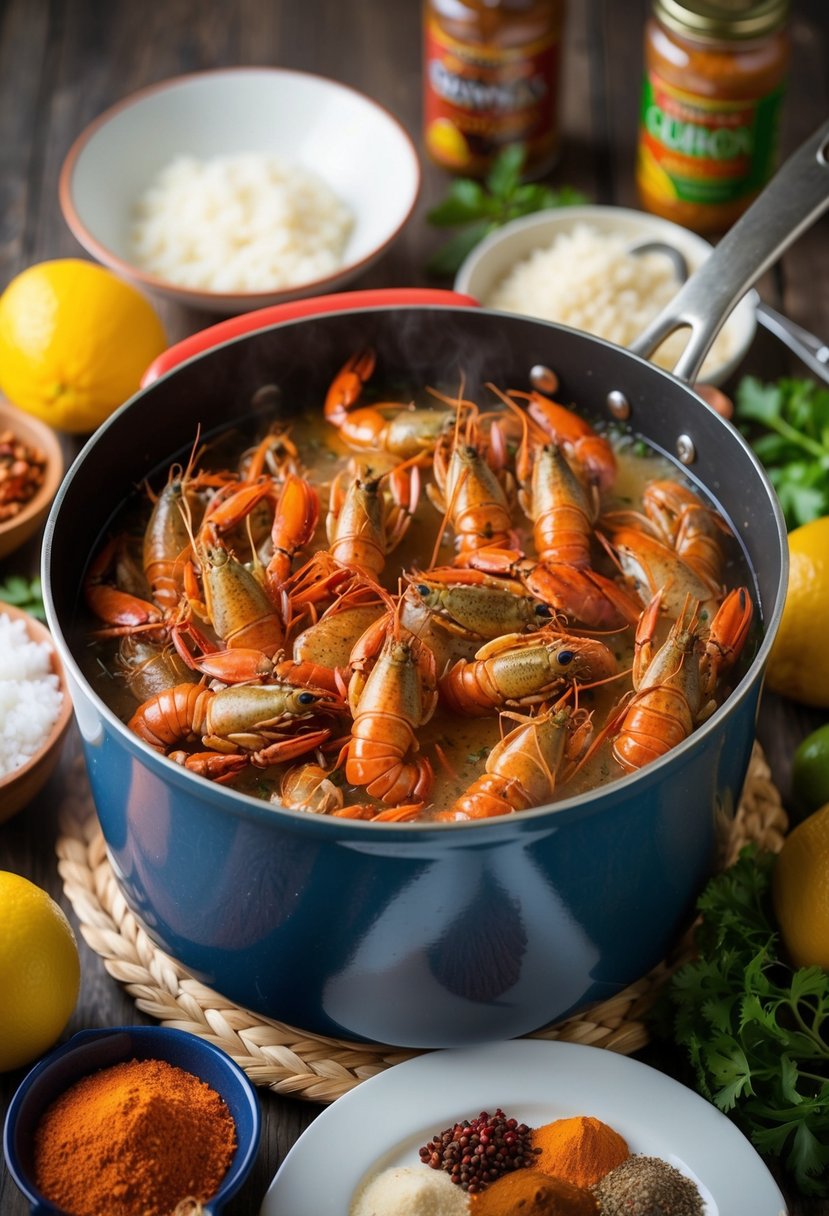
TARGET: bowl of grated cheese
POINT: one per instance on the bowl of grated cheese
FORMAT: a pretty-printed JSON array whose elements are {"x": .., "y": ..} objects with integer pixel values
[
  {"x": 577, "y": 266},
  {"x": 35, "y": 708},
  {"x": 234, "y": 189}
]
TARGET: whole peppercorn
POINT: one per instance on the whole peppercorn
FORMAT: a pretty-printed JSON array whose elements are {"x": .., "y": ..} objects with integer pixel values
[
  {"x": 477, "y": 1151},
  {"x": 22, "y": 469}
]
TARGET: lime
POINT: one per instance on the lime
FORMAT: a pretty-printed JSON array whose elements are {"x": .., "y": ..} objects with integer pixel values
[{"x": 810, "y": 773}]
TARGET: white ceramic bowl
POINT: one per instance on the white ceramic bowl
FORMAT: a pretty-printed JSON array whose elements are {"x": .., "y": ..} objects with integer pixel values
[
  {"x": 495, "y": 256},
  {"x": 351, "y": 142}
]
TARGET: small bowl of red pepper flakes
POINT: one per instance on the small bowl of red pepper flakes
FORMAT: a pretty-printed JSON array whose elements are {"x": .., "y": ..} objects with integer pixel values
[{"x": 31, "y": 469}]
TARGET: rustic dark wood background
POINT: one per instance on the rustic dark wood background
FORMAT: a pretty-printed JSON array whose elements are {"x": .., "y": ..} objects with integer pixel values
[{"x": 63, "y": 61}]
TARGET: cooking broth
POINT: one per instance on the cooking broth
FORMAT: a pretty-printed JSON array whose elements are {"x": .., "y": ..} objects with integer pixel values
[{"x": 458, "y": 746}]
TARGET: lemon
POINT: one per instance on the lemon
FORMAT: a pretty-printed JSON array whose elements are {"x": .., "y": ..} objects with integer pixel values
[
  {"x": 74, "y": 342},
  {"x": 39, "y": 971},
  {"x": 799, "y": 660},
  {"x": 800, "y": 886},
  {"x": 810, "y": 772}
]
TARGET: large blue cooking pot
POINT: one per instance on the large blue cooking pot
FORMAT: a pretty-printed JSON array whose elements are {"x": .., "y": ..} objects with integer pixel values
[
  {"x": 421, "y": 935},
  {"x": 428, "y": 935}
]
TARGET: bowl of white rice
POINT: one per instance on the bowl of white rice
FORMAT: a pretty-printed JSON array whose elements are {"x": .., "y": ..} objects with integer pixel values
[
  {"x": 35, "y": 708},
  {"x": 576, "y": 266},
  {"x": 234, "y": 189}
]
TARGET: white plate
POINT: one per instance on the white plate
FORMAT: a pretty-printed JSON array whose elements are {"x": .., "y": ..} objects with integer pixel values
[{"x": 386, "y": 1119}]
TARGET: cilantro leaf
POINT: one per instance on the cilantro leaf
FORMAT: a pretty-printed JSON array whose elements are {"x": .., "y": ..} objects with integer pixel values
[
  {"x": 794, "y": 446},
  {"x": 478, "y": 208},
  {"x": 756, "y": 1031},
  {"x": 465, "y": 202},
  {"x": 505, "y": 174},
  {"x": 21, "y": 593}
]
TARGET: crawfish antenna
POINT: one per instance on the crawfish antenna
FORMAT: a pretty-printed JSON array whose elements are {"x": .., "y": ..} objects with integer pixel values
[
  {"x": 447, "y": 515},
  {"x": 195, "y": 453}
]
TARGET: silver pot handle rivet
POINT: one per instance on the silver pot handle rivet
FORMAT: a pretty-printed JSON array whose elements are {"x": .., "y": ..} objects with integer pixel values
[
  {"x": 618, "y": 404},
  {"x": 685, "y": 449},
  {"x": 543, "y": 378}
]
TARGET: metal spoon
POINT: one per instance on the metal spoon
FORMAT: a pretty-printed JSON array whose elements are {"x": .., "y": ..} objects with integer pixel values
[{"x": 808, "y": 348}]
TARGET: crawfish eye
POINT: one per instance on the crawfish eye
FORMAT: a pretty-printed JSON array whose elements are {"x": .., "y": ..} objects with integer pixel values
[
  {"x": 543, "y": 610},
  {"x": 422, "y": 589},
  {"x": 306, "y": 698},
  {"x": 565, "y": 657}
]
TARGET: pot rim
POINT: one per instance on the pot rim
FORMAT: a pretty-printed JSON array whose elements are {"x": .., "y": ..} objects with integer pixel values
[{"x": 489, "y": 831}]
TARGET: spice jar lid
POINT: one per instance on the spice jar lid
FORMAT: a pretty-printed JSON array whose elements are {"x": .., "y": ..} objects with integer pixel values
[{"x": 722, "y": 20}]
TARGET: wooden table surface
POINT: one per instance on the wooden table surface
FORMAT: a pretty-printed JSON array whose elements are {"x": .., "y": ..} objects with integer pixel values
[{"x": 63, "y": 62}]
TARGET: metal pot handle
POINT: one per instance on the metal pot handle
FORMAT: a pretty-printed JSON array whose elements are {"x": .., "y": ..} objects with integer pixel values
[{"x": 790, "y": 204}]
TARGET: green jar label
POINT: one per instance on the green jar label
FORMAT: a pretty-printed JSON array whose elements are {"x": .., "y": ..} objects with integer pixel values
[{"x": 700, "y": 150}]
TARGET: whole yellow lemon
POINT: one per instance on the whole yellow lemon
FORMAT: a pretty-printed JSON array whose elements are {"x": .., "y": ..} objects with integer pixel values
[
  {"x": 800, "y": 886},
  {"x": 799, "y": 661},
  {"x": 74, "y": 342},
  {"x": 39, "y": 971}
]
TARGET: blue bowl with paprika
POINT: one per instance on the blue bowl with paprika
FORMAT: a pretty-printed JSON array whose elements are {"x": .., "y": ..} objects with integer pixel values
[{"x": 137, "y": 1082}]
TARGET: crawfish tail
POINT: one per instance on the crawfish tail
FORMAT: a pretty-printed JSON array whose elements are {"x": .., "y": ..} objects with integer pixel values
[
  {"x": 176, "y": 715},
  {"x": 488, "y": 796},
  {"x": 376, "y": 762},
  {"x": 468, "y": 689},
  {"x": 656, "y": 720}
]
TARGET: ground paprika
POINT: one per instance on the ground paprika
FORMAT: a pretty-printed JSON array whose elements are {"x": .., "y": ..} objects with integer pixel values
[
  {"x": 581, "y": 1150},
  {"x": 533, "y": 1193},
  {"x": 133, "y": 1140}
]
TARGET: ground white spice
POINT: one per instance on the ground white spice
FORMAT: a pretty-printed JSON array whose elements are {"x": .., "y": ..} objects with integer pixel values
[
  {"x": 403, "y": 1191},
  {"x": 30, "y": 694}
]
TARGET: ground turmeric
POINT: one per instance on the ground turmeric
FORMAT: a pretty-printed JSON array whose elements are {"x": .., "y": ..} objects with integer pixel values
[
  {"x": 581, "y": 1150},
  {"x": 529, "y": 1192},
  {"x": 133, "y": 1140}
]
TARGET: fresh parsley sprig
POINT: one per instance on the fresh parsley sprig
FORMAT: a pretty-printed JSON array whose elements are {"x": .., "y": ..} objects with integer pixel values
[
  {"x": 794, "y": 446},
  {"x": 756, "y": 1031},
  {"x": 479, "y": 207},
  {"x": 21, "y": 593}
]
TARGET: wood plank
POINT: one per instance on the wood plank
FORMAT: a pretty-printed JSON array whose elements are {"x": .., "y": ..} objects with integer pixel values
[
  {"x": 618, "y": 65},
  {"x": 805, "y": 267},
  {"x": 24, "y": 59}
]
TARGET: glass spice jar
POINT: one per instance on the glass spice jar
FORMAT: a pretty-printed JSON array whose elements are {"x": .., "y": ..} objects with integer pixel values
[
  {"x": 491, "y": 79},
  {"x": 713, "y": 84}
]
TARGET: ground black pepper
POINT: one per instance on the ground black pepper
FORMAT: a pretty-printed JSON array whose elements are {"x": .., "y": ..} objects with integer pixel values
[
  {"x": 477, "y": 1151},
  {"x": 647, "y": 1186}
]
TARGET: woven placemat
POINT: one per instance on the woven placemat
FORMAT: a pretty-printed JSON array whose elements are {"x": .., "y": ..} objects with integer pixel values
[{"x": 292, "y": 1061}]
